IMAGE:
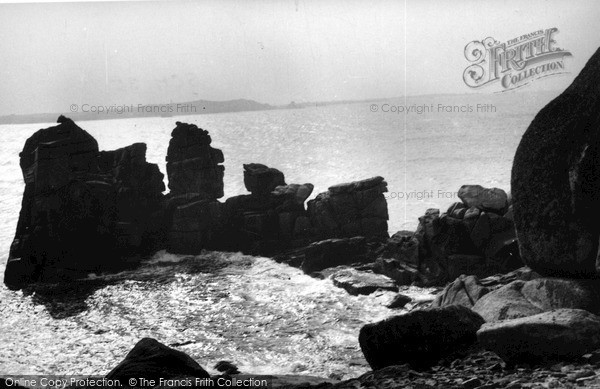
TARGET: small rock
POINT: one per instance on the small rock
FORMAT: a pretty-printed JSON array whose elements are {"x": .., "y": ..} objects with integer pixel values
[
  {"x": 399, "y": 301},
  {"x": 227, "y": 367}
]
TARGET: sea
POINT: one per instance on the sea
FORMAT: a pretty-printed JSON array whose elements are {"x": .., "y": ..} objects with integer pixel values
[{"x": 266, "y": 318}]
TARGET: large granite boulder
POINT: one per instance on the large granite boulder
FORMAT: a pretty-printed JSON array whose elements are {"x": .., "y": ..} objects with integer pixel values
[
  {"x": 419, "y": 338},
  {"x": 465, "y": 291},
  {"x": 554, "y": 335},
  {"x": 555, "y": 181},
  {"x": 352, "y": 209},
  {"x": 493, "y": 199},
  {"x": 83, "y": 210},
  {"x": 153, "y": 360},
  {"x": 527, "y": 298},
  {"x": 193, "y": 166}
]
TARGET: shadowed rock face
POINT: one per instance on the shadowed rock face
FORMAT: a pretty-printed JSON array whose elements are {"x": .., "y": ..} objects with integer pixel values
[
  {"x": 153, "y": 360},
  {"x": 556, "y": 182}
]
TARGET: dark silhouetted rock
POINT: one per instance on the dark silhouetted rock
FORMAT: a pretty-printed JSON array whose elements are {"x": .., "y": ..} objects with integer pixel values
[
  {"x": 527, "y": 298},
  {"x": 358, "y": 282},
  {"x": 293, "y": 195},
  {"x": 486, "y": 199},
  {"x": 335, "y": 252},
  {"x": 404, "y": 246},
  {"x": 555, "y": 335},
  {"x": 420, "y": 337},
  {"x": 153, "y": 360},
  {"x": 196, "y": 218},
  {"x": 352, "y": 209},
  {"x": 272, "y": 219},
  {"x": 83, "y": 210},
  {"x": 401, "y": 272},
  {"x": 481, "y": 232},
  {"x": 193, "y": 166},
  {"x": 556, "y": 182},
  {"x": 196, "y": 226},
  {"x": 261, "y": 180},
  {"x": 227, "y": 367},
  {"x": 458, "y": 264},
  {"x": 472, "y": 238}
]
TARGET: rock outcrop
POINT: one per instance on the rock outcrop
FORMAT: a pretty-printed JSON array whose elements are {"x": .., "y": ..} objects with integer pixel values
[
  {"x": 83, "y": 210},
  {"x": 474, "y": 237},
  {"x": 419, "y": 338},
  {"x": 193, "y": 166},
  {"x": 88, "y": 211},
  {"x": 556, "y": 182},
  {"x": 351, "y": 209}
]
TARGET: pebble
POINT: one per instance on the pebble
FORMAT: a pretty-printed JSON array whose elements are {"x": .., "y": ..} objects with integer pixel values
[{"x": 472, "y": 383}]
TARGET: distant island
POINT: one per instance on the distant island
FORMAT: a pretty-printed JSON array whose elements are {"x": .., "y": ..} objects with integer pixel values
[{"x": 81, "y": 112}]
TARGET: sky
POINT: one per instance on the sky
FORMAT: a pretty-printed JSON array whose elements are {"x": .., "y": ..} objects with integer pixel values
[{"x": 104, "y": 53}]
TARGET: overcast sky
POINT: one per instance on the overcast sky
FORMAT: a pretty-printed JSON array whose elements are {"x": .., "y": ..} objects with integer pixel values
[{"x": 56, "y": 54}]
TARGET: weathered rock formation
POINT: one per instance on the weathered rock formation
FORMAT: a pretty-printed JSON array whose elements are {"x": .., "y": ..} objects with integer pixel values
[
  {"x": 193, "y": 166},
  {"x": 556, "y": 182},
  {"x": 272, "y": 218},
  {"x": 196, "y": 182},
  {"x": 89, "y": 211},
  {"x": 83, "y": 210},
  {"x": 352, "y": 209},
  {"x": 473, "y": 237}
]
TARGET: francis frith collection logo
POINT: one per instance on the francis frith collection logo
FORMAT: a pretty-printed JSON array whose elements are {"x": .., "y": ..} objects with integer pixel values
[{"x": 516, "y": 62}]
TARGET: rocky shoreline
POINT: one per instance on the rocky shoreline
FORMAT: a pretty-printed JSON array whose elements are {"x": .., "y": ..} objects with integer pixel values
[{"x": 496, "y": 324}]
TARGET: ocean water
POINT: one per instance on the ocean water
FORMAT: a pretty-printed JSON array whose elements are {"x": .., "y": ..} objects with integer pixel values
[{"x": 263, "y": 316}]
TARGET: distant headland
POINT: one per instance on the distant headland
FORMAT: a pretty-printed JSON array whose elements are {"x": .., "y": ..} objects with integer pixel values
[{"x": 86, "y": 111}]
